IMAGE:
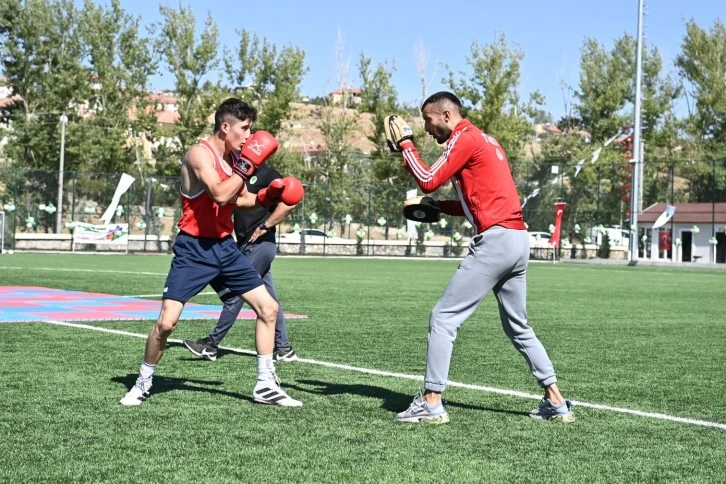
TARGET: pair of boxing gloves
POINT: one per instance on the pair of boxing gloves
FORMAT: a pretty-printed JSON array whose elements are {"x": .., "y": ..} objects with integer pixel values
[{"x": 255, "y": 152}]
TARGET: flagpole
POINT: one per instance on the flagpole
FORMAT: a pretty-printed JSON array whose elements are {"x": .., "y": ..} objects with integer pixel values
[{"x": 637, "y": 152}]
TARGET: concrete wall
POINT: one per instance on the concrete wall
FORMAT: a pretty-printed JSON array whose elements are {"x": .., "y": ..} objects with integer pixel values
[
  {"x": 397, "y": 248},
  {"x": 64, "y": 242}
]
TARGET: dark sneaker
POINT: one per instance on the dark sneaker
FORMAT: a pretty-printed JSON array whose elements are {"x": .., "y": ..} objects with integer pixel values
[
  {"x": 561, "y": 413},
  {"x": 203, "y": 348},
  {"x": 284, "y": 354},
  {"x": 420, "y": 412}
]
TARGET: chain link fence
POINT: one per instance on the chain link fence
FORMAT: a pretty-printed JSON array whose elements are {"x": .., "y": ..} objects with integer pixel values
[{"x": 369, "y": 217}]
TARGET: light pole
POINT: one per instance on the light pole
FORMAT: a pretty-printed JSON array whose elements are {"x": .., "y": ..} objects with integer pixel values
[
  {"x": 59, "y": 213},
  {"x": 302, "y": 232},
  {"x": 637, "y": 147}
]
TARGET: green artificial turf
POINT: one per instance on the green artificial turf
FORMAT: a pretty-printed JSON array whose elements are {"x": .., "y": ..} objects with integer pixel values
[{"x": 640, "y": 338}]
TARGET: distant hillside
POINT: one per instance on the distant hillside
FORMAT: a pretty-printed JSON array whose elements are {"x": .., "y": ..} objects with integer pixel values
[{"x": 304, "y": 128}]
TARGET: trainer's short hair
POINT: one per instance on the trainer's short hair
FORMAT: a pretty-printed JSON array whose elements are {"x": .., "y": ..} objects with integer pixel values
[
  {"x": 443, "y": 96},
  {"x": 233, "y": 109}
]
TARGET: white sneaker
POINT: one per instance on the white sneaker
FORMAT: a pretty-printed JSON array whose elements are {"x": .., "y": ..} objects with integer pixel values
[
  {"x": 138, "y": 393},
  {"x": 268, "y": 391}
]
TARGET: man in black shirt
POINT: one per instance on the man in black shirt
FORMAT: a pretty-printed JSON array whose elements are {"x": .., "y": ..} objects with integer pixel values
[{"x": 255, "y": 232}]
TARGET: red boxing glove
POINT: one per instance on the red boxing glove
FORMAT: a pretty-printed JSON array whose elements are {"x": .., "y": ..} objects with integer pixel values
[
  {"x": 256, "y": 150},
  {"x": 287, "y": 190}
]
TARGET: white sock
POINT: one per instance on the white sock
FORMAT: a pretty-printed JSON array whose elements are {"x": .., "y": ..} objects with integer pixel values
[
  {"x": 147, "y": 370},
  {"x": 265, "y": 365}
]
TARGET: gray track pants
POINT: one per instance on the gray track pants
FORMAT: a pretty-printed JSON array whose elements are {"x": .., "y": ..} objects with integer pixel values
[
  {"x": 497, "y": 261},
  {"x": 261, "y": 254}
]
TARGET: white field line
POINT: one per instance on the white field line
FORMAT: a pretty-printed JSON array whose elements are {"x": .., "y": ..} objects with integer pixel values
[
  {"x": 369, "y": 371},
  {"x": 97, "y": 271}
]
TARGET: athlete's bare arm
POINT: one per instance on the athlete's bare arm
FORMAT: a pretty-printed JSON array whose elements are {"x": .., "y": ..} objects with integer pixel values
[
  {"x": 247, "y": 200},
  {"x": 198, "y": 173}
]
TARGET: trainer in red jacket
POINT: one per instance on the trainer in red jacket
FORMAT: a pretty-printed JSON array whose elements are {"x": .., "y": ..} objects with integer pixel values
[
  {"x": 478, "y": 168},
  {"x": 496, "y": 261}
]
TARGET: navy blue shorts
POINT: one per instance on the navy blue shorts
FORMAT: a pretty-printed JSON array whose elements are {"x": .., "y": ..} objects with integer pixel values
[{"x": 199, "y": 260}]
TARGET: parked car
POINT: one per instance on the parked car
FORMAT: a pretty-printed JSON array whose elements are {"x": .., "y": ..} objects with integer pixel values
[
  {"x": 541, "y": 241},
  {"x": 616, "y": 235}
]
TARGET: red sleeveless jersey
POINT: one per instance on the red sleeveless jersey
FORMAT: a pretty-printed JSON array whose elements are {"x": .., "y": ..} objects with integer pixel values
[{"x": 202, "y": 216}]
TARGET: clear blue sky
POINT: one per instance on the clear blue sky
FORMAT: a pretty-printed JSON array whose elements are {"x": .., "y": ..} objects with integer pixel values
[{"x": 549, "y": 33}]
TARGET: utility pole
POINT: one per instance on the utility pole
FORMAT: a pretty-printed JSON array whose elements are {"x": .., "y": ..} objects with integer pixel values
[
  {"x": 59, "y": 212},
  {"x": 637, "y": 149}
]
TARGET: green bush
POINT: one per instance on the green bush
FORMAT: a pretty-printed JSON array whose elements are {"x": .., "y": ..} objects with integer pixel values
[{"x": 603, "y": 252}]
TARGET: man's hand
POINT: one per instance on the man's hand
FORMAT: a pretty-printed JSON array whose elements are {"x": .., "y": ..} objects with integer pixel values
[
  {"x": 256, "y": 150},
  {"x": 397, "y": 131},
  {"x": 257, "y": 234}
]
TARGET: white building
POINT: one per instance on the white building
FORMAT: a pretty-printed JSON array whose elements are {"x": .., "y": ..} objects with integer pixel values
[{"x": 694, "y": 225}]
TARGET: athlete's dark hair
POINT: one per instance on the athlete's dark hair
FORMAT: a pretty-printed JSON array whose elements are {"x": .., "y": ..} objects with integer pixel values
[
  {"x": 443, "y": 96},
  {"x": 233, "y": 109}
]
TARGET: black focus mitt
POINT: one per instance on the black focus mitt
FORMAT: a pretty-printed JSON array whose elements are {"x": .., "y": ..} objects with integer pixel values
[{"x": 422, "y": 209}]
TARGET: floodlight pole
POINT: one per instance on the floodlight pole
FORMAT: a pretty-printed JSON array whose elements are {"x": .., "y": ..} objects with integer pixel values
[
  {"x": 637, "y": 158},
  {"x": 59, "y": 210}
]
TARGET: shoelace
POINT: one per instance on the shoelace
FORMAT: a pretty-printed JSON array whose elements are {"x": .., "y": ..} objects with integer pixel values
[
  {"x": 415, "y": 404},
  {"x": 273, "y": 377},
  {"x": 144, "y": 384}
]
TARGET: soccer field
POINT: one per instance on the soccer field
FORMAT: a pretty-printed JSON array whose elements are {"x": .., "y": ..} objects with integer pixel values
[{"x": 646, "y": 340}]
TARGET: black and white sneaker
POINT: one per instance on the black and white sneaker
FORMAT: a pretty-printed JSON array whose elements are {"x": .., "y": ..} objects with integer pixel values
[
  {"x": 203, "y": 348},
  {"x": 284, "y": 354},
  {"x": 268, "y": 391},
  {"x": 139, "y": 393}
]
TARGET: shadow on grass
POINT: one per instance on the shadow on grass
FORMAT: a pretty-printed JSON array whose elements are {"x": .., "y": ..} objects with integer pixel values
[
  {"x": 164, "y": 384},
  {"x": 391, "y": 401}
]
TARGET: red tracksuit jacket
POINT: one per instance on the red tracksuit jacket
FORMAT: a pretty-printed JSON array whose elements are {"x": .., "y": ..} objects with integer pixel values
[{"x": 478, "y": 168}]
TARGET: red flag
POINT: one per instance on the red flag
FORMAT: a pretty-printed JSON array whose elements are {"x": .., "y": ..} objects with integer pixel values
[{"x": 559, "y": 213}]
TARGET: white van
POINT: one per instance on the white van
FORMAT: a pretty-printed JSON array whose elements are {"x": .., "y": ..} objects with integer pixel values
[{"x": 618, "y": 237}]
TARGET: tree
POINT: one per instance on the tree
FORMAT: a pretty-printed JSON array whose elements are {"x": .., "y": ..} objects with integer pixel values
[
  {"x": 340, "y": 174},
  {"x": 190, "y": 61},
  {"x": 607, "y": 89},
  {"x": 540, "y": 116},
  {"x": 42, "y": 58},
  {"x": 120, "y": 63},
  {"x": 606, "y": 79},
  {"x": 702, "y": 64},
  {"x": 604, "y": 106},
  {"x": 490, "y": 94},
  {"x": 378, "y": 97},
  {"x": 268, "y": 79},
  {"x": 422, "y": 60}
]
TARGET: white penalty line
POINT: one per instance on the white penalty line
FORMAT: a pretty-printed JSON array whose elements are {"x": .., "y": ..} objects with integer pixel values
[
  {"x": 369, "y": 371},
  {"x": 95, "y": 271}
]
